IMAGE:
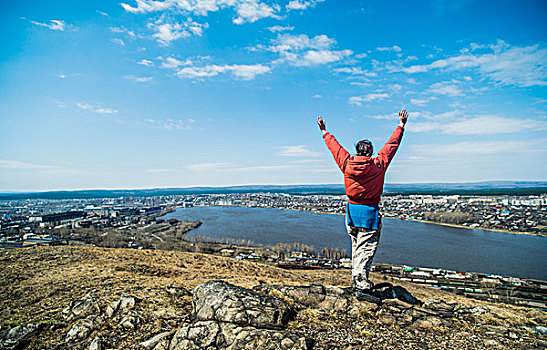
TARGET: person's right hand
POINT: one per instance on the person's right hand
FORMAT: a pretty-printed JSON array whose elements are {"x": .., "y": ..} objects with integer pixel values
[
  {"x": 321, "y": 123},
  {"x": 403, "y": 116}
]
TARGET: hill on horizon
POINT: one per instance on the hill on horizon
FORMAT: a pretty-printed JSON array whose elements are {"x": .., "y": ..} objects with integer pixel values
[{"x": 470, "y": 188}]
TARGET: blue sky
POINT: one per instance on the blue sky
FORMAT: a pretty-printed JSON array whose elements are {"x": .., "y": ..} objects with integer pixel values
[{"x": 175, "y": 93}]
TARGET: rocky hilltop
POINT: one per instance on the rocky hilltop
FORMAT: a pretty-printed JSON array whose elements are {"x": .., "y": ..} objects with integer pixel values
[{"x": 98, "y": 298}]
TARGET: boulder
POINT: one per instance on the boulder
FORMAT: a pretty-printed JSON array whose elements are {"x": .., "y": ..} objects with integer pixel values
[
  {"x": 83, "y": 328},
  {"x": 121, "y": 305},
  {"x": 78, "y": 309},
  {"x": 212, "y": 335},
  {"x": 155, "y": 341},
  {"x": 17, "y": 337},
  {"x": 314, "y": 296},
  {"x": 221, "y": 301},
  {"x": 96, "y": 344},
  {"x": 130, "y": 321}
]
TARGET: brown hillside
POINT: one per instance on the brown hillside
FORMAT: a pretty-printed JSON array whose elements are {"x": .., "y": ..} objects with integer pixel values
[{"x": 36, "y": 284}]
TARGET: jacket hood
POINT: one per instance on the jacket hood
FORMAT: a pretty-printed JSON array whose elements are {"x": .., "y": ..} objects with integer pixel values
[{"x": 358, "y": 165}]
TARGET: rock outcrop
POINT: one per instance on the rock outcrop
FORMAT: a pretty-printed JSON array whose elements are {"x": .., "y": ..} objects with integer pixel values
[
  {"x": 17, "y": 337},
  {"x": 230, "y": 317}
]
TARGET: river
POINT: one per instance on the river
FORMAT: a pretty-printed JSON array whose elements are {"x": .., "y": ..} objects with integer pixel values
[{"x": 402, "y": 242}]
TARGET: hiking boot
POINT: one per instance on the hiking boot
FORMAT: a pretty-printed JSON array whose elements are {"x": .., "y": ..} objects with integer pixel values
[
  {"x": 404, "y": 295},
  {"x": 368, "y": 295}
]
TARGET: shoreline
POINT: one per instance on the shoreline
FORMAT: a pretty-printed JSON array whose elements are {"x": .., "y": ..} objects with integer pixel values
[{"x": 398, "y": 218}]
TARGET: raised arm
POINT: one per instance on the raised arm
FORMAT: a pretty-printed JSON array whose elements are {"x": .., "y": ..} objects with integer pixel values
[
  {"x": 340, "y": 155},
  {"x": 387, "y": 152}
]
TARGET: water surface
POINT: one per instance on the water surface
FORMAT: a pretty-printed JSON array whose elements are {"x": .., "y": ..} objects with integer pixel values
[{"x": 402, "y": 242}]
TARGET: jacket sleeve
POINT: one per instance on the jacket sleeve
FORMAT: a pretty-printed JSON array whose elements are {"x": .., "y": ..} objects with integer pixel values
[
  {"x": 387, "y": 152},
  {"x": 340, "y": 155}
]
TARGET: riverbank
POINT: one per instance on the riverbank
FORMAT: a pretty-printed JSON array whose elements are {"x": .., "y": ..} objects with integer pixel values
[{"x": 467, "y": 227}]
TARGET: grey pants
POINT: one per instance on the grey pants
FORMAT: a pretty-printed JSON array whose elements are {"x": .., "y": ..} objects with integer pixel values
[{"x": 364, "y": 243}]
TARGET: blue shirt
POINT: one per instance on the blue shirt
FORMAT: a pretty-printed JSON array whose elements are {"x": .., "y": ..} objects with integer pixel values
[{"x": 362, "y": 215}]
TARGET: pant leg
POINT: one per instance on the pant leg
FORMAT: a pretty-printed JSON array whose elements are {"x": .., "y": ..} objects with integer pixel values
[{"x": 364, "y": 243}]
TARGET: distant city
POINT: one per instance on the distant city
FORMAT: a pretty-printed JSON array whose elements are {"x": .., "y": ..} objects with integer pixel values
[{"x": 36, "y": 220}]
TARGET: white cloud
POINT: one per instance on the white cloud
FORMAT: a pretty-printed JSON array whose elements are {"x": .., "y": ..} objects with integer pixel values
[
  {"x": 355, "y": 71},
  {"x": 102, "y": 13},
  {"x": 302, "y": 4},
  {"x": 145, "y": 62},
  {"x": 173, "y": 63},
  {"x": 62, "y": 76},
  {"x": 301, "y": 50},
  {"x": 122, "y": 30},
  {"x": 167, "y": 31},
  {"x": 317, "y": 96},
  {"x": 242, "y": 71},
  {"x": 503, "y": 64},
  {"x": 246, "y": 10},
  {"x": 53, "y": 25},
  {"x": 393, "y": 48},
  {"x": 358, "y": 100},
  {"x": 139, "y": 79},
  {"x": 277, "y": 29},
  {"x": 118, "y": 41},
  {"x": 448, "y": 88},
  {"x": 479, "y": 125},
  {"x": 418, "y": 102},
  {"x": 322, "y": 57},
  {"x": 96, "y": 109},
  {"x": 297, "y": 151},
  {"x": 170, "y": 124},
  {"x": 144, "y": 6},
  {"x": 15, "y": 164},
  {"x": 253, "y": 10},
  {"x": 188, "y": 69}
]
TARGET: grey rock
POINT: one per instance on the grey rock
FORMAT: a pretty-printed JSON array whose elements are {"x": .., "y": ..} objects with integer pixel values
[
  {"x": 83, "y": 328},
  {"x": 479, "y": 310},
  {"x": 221, "y": 301},
  {"x": 228, "y": 336},
  {"x": 163, "y": 344},
  {"x": 121, "y": 305},
  {"x": 497, "y": 330},
  {"x": 315, "y": 295},
  {"x": 492, "y": 343},
  {"x": 130, "y": 321},
  {"x": 440, "y": 307},
  {"x": 96, "y": 344},
  {"x": 428, "y": 322},
  {"x": 386, "y": 320},
  {"x": 17, "y": 337},
  {"x": 156, "y": 340},
  {"x": 539, "y": 330},
  {"x": 78, "y": 309},
  {"x": 178, "y": 291}
]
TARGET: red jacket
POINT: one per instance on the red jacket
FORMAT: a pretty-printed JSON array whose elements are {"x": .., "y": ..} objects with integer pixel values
[{"x": 364, "y": 176}]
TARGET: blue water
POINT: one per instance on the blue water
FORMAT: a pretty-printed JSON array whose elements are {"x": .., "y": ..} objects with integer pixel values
[{"x": 401, "y": 242}]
